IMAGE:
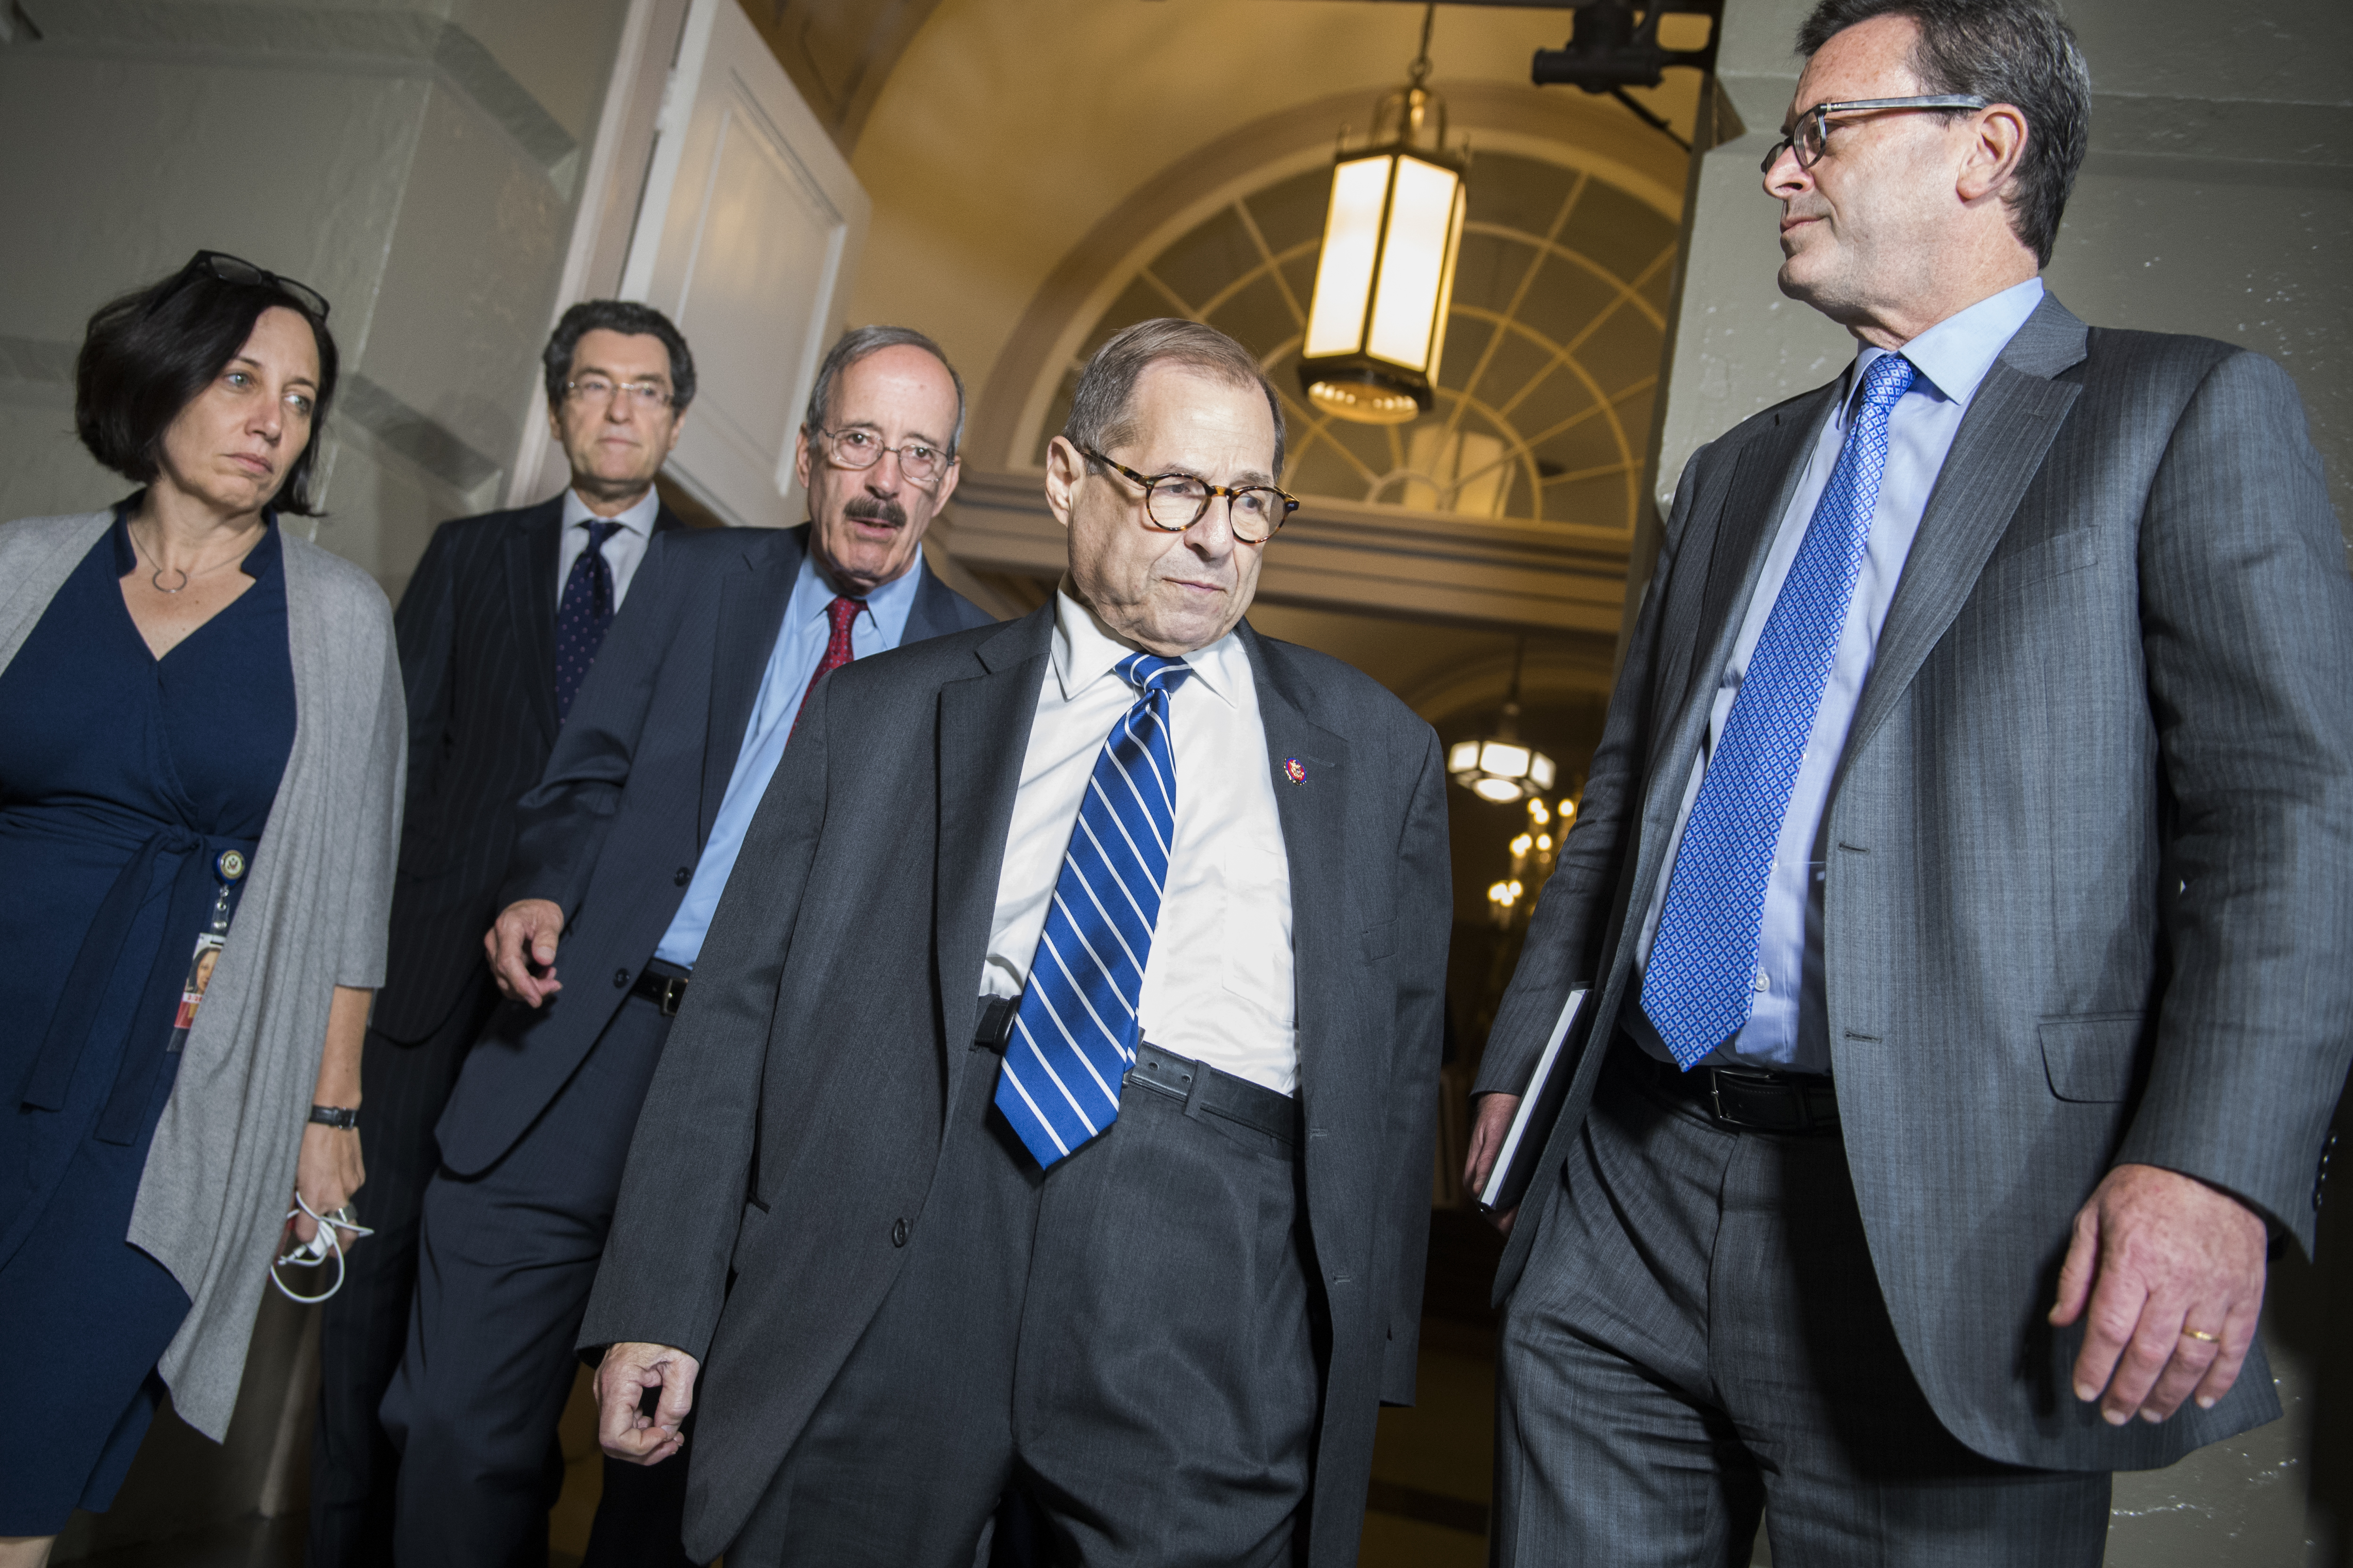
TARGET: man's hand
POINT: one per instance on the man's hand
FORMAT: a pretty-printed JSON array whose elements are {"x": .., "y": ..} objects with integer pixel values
[
  {"x": 2172, "y": 1271},
  {"x": 622, "y": 1378},
  {"x": 525, "y": 935},
  {"x": 1492, "y": 1121}
]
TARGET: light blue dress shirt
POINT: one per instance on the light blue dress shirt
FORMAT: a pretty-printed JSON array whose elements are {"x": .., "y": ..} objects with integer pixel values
[
  {"x": 800, "y": 645},
  {"x": 1786, "y": 1028}
]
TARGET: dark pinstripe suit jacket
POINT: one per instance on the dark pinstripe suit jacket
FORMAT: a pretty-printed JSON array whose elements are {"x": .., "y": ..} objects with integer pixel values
[
  {"x": 2089, "y": 849},
  {"x": 612, "y": 831},
  {"x": 477, "y": 633},
  {"x": 797, "y": 1119}
]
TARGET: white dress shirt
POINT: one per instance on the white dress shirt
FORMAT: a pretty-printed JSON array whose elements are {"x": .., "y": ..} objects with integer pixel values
[
  {"x": 1786, "y": 1028},
  {"x": 624, "y": 547},
  {"x": 1217, "y": 984}
]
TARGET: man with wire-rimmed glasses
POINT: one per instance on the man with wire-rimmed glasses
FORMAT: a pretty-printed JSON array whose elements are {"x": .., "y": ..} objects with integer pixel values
[
  {"x": 1059, "y": 1087},
  {"x": 623, "y": 850},
  {"x": 1964, "y": 988}
]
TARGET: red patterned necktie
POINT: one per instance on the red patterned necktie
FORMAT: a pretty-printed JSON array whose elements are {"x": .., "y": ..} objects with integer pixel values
[{"x": 841, "y": 613}]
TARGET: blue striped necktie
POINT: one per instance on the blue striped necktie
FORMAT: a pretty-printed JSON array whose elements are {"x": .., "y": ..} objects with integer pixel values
[
  {"x": 1075, "y": 1034},
  {"x": 1700, "y": 982}
]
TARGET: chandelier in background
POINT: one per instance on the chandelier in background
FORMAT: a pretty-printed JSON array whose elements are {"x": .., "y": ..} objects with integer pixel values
[
  {"x": 1501, "y": 769},
  {"x": 1376, "y": 322}
]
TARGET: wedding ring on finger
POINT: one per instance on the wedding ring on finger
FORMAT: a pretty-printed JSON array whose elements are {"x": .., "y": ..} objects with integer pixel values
[{"x": 2201, "y": 1336}]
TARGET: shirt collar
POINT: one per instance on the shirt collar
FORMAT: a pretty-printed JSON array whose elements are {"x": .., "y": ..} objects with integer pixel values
[
  {"x": 639, "y": 519},
  {"x": 1954, "y": 355},
  {"x": 887, "y": 607},
  {"x": 1086, "y": 650}
]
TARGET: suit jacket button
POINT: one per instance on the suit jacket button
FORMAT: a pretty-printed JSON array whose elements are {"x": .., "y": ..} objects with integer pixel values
[
  {"x": 898, "y": 1233},
  {"x": 620, "y": 978},
  {"x": 685, "y": 875}
]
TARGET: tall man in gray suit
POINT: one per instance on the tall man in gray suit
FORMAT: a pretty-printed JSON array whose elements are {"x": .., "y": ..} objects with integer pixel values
[
  {"x": 1963, "y": 884},
  {"x": 1054, "y": 1110},
  {"x": 623, "y": 847}
]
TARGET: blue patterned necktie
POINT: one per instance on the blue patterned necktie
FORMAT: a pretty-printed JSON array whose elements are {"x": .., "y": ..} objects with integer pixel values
[
  {"x": 1700, "y": 982},
  {"x": 582, "y": 615},
  {"x": 1075, "y": 1034}
]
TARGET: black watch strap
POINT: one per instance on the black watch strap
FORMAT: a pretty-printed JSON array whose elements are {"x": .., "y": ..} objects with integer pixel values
[{"x": 336, "y": 1115}]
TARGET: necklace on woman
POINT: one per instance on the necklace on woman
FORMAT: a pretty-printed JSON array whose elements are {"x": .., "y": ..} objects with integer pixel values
[{"x": 157, "y": 577}]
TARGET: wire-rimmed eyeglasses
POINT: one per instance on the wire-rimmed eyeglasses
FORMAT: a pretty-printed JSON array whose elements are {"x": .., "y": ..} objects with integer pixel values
[
  {"x": 1813, "y": 127},
  {"x": 600, "y": 389},
  {"x": 1174, "y": 502},
  {"x": 922, "y": 463},
  {"x": 230, "y": 269}
]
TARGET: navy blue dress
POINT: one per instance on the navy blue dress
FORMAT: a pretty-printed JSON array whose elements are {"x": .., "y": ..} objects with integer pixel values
[{"x": 122, "y": 779}]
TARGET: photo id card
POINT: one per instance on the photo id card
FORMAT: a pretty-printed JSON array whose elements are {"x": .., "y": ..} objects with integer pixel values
[{"x": 191, "y": 992}]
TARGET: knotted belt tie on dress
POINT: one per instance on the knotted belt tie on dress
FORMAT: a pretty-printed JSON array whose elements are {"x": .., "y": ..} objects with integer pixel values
[{"x": 192, "y": 891}]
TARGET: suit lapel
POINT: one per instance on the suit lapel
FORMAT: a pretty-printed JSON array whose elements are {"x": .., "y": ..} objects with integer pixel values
[
  {"x": 531, "y": 552},
  {"x": 751, "y": 612},
  {"x": 933, "y": 613},
  {"x": 1313, "y": 812},
  {"x": 984, "y": 730},
  {"x": 2011, "y": 422},
  {"x": 1763, "y": 476}
]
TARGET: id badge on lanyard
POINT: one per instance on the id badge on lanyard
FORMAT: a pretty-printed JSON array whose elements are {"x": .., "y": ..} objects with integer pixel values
[{"x": 228, "y": 869}]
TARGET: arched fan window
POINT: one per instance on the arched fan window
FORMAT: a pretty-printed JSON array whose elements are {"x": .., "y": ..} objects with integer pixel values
[{"x": 1552, "y": 346}]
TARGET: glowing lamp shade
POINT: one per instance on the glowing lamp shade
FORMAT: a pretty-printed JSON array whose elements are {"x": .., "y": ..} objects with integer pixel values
[
  {"x": 1383, "y": 284},
  {"x": 1501, "y": 771}
]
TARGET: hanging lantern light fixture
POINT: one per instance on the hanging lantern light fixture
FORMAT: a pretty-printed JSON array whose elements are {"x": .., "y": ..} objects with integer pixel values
[
  {"x": 1377, "y": 320},
  {"x": 1502, "y": 768}
]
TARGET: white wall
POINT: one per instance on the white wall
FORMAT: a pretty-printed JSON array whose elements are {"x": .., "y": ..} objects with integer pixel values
[{"x": 418, "y": 164}]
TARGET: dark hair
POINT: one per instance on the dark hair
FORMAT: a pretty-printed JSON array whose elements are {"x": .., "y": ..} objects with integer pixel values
[
  {"x": 148, "y": 354},
  {"x": 856, "y": 344},
  {"x": 1098, "y": 409},
  {"x": 2018, "y": 52},
  {"x": 630, "y": 319}
]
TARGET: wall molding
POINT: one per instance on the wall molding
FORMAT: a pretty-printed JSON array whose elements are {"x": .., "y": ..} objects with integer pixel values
[{"x": 287, "y": 38}]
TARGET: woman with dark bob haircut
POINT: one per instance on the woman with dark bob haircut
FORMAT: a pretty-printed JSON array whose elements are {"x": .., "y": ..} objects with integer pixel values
[{"x": 200, "y": 748}]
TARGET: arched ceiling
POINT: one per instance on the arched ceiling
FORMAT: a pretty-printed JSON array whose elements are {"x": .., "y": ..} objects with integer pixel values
[{"x": 1004, "y": 133}]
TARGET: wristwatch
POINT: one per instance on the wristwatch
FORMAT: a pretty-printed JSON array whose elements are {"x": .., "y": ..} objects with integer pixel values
[{"x": 346, "y": 1117}]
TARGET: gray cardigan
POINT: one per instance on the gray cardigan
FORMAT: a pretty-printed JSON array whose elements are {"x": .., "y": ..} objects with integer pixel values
[{"x": 220, "y": 1171}]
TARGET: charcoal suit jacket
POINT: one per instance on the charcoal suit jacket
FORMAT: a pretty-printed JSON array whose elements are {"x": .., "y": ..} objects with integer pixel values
[
  {"x": 612, "y": 831},
  {"x": 477, "y": 633},
  {"x": 2088, "y": 851},
  {"x": 795, "y": 1126}
]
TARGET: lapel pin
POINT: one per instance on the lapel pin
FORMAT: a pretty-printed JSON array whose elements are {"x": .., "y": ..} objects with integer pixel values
[{"x": 1294, "y": 771}]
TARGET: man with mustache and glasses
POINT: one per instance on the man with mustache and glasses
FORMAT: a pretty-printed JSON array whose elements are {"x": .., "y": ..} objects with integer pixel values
[{"x": 623, "y": 848}]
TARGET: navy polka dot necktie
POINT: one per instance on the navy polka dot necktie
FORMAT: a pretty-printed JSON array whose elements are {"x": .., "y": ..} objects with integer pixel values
[{"x": 585, "y": 610}]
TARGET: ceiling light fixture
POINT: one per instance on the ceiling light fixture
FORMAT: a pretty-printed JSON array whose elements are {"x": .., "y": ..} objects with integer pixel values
[
  {"x": 1502, "y": 768},
  {"x": 1377, "y": 320}
]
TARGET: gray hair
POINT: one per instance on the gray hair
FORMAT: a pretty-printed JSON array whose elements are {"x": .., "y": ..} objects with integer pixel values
[
  {"x": 856, "y": 344},
  {"x": 2018, "y": 52},
  {"x": 1100, "y": 408}
]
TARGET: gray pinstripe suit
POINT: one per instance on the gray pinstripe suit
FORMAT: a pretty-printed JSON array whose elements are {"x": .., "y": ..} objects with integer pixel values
[{"x": 2089, "y": 861}]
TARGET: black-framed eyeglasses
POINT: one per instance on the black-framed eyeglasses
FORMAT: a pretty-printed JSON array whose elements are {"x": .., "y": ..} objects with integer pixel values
[
  {"x": 855, "y": 448},
  {"x": 237, "y": 270},
  {"x": 1813, "y": 129},
  {"x": 1174, "y": 502},
  {"x": 601, "y": 389}
]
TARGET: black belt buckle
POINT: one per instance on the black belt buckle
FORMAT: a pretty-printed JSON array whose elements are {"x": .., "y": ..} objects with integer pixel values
[
  {"x": 1763, "y": 1103},
  {"x": 995, "y": 1029},
  {"x": 665, "y": 991}
]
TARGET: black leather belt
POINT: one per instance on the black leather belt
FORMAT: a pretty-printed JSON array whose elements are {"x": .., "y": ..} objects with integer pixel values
[
  {"x": 1213, "y": 1089},
  {"x": 1217, "y": 1092},
  {"x": 663, "y": 985},
  {"x": 1746, "y": 1099}
]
